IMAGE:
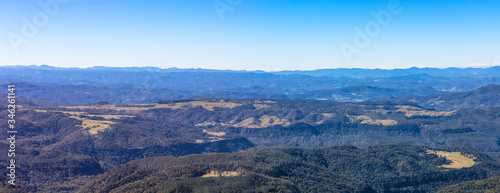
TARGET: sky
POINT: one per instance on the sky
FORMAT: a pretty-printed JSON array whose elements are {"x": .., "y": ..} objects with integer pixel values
[{"x": 265, "y": 35}]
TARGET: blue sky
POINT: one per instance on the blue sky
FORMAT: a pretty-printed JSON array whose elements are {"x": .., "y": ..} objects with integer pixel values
[{"x": 251, "y": 34}]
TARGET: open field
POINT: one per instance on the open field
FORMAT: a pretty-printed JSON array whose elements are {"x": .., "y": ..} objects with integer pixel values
[
  {"x": 457, "y": 159},
  {"x": 215, "y": 173},
  {"x": 369, "y": 121}
]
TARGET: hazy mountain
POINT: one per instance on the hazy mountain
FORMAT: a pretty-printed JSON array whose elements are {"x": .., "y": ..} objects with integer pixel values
[
  {"x": 362, "y": 93},
  {"x": 199, "y": 80},
  {"x": 484, "y": 97},
  {"x": 363, "y": 73}
]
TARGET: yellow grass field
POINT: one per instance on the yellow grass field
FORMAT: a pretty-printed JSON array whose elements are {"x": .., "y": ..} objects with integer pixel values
[
  {"x": 369, "y": 121},
  {"x": 94, "y": 126},
  {"x": 457, "y": 159},
  {"x": 206, "y": 105},
  {"x": 215, "y": 173},
  {"x": 415, "y": 111},
  {"x": 262, "y": 122},
  {"x": 214, "y": 133}
]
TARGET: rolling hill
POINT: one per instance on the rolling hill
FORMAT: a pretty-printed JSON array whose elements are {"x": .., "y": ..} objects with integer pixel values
[{"x": 344, "y": 168}]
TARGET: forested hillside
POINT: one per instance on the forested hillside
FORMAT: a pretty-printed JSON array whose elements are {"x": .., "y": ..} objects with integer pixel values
[
  {"x": 84, "y": 141},
  {"x": 343, "y": 168},
  {"x": 489, "y": 185}
]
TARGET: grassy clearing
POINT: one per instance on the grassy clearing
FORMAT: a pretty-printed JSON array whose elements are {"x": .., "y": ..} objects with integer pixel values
[
  {"x": 74, "y": 113},
  {"x": 215, "y": 173},
  {"x": 325, "y": 117},
  {"x": 214, "y": 133},
  {"x": 415, "y": 111},
  {"x": 206, "y": 105},
  {"x": 369, "y": 121},
  {"x": 262, "y": 122},
  {"x": 179, "y": 105},
  {"x": 261, "y": 106},
  {"x": 210, "y": 139},
  {"x": 110, "y": 107},
  {"x": 94, "y": 126},
  {"x": 457, "y": 159},
  {"x": 328, "y": 115}
]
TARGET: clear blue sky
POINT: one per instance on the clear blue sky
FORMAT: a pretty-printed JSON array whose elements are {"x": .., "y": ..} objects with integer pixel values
[{"x": 255, "y": 35}]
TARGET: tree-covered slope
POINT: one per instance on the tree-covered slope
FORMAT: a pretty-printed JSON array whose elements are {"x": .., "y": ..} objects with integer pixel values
[
  {"x": 99, "y": 137},
  {"x": 489, "y": 185},
  {"x": 343, "y": 168}
]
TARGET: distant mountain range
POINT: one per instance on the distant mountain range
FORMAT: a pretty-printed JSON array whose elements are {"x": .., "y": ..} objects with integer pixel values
[
  {"x": 484, "y": 97},
  {"x": 200, "y": 79},
  {"x": 374, "y": 73},
  {"x": 75, "y": 86}
]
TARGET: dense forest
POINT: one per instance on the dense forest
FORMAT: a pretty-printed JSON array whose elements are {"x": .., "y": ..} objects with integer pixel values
[
  {"x": 342, "y": 168},
  {"x": 489, "y": 185}
]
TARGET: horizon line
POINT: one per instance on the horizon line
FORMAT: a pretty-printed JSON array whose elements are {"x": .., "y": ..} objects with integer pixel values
[{"x": 259, "y": 70}]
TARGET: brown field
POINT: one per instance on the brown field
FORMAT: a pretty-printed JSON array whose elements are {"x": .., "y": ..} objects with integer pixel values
[
  {"x": 93, "y": 126},
  {"x": 262, "y": 122},
  {"x": 207, "y": 105},
  {"x": 215, "y": 173},
  {"x": 214, "y": 133},
  {"x": 457, "y": 159},
  {"x": 110, "y": 107},
  {"x": 415, "y": 111},
  {"x": 369, "y": 121}
]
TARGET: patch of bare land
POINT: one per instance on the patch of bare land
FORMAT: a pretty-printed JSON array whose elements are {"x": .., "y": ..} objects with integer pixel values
[
  {"x": 457, "y": 159},
  {"x": 369, "y": 121},
  {"x": 262, "y": 122},
  {"x": 220, "y": 134},
  {"x": 205, "y": 104},
  {"x": 215, "y": 173},
  {"x": 93, "y": 126},
  {"x": 415, "y": 111}
]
